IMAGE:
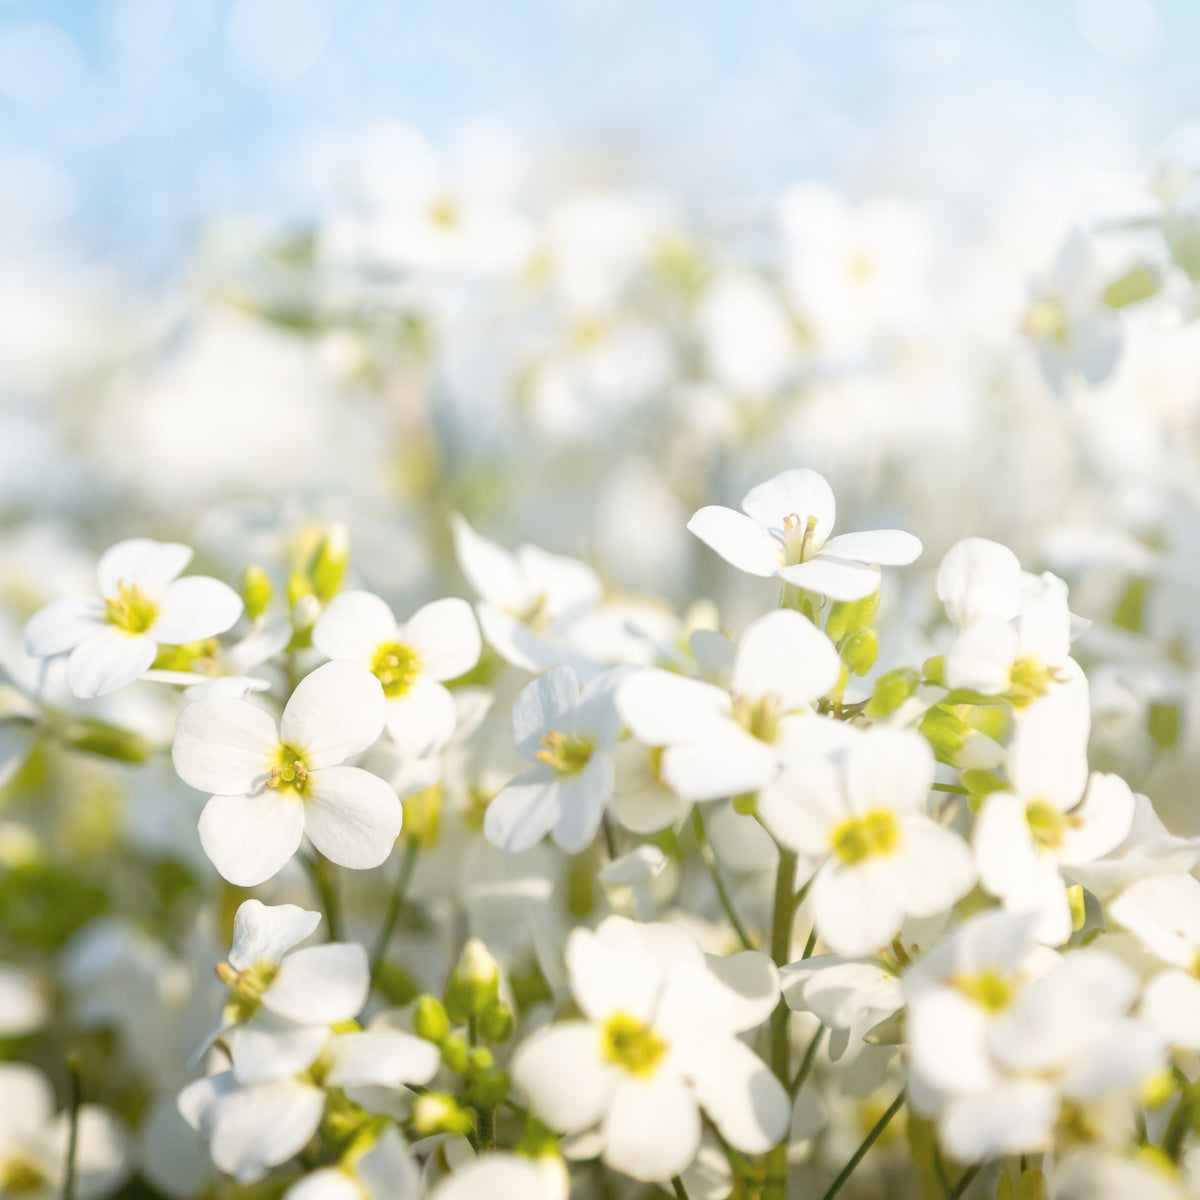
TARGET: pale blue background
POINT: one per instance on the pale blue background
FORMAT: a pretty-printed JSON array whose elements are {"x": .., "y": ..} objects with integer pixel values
[{"x": 153, "y": 116}]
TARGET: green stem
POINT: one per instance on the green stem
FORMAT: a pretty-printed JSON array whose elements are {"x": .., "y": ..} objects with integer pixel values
[
  {"x": 69, "y": 1174},
  {"x": 968, "y": 1178},
  {"x": 867, "y": 1143},
  {"x": 680, "y": 1190},
  {"x": 953, "y": 788},
  {"x": 394, "y": 908},
  {"x": 810, "y": 1056},
  {"x": 326, "y": 891},
  {"x": 710, "y": 861},
  {"x": 775, "y": 1183}
]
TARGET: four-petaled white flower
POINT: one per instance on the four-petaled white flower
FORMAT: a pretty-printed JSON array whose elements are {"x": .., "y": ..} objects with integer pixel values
[
  {"x": 271, "y": 784},
  {"x": 721, "y": 744},
  {"x": 784, "y": 530},
  {"x": 411, "y": 661},
  {"x": 113, "y": 639},
  {"x": 568, "y": 734},
  {"x": 857, "y": 799},
  {"x": 657, "y": 1042}
]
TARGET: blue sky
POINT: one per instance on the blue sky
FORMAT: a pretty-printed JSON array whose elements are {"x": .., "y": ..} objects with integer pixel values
[{"x": 154, "y": 116}]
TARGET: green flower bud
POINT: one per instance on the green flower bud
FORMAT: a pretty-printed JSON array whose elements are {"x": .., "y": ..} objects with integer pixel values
[
  {"x": 982, "y": 783},
  {"x": 106, "y": 741},
  {"x": 496, "y": 1023},
  {"x": 537, "y": 1141},
  {"x": 456, "y": 1054},
  {"x": 481, "y": 1059},
  {"x": 435, "y": 1112},
  {"x": 945, "y": 733},
  {"x": 892, "y": 688},
  {"x": 329, "y": 563},
  {"x": 849, "y": 616},
  {"x": 860, "y": 650},
  {"x": 746, "y": 804},
  {"x": 1078, "y": 907},
  {"x": 256, "y": 591},
  {"x": 489, "y": 1088},
  {"x": 474, "y": 983},
  {"x": 429, "y": 1019},
  {"x": 933, "y": 669}
]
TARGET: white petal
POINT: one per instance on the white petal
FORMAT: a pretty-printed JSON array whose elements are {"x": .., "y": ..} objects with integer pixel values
[
  {"x": 855, "y": 909},
  {"x": 273, "y": 1047},
  {"x": 745, "y": 1100},
  {"x": 422, "y": 721},
  {"x": 662, "y": 708},
  {"x": 250, "y": 838},
  {"x": 326, "y": 1183},
  {"x": 1171, "y": 1006},
  {"x": 1012, "y": 1118},
  {"x": 582, "y": 798},
  {"x": 381, "y": 1059},
  {"x": 739, "y": 540},
  {"x": 445, "y": 635},
  {"x": 491, "y": 570},
  {"x": 981, "y": 658},
  {"x": 195, "y": 608},
  {"x": 265, "y": 933},
  {"x": 1100, "y": 823},
  {"x": 798, "y": 492},
  {"x": 351, "y": 816},
  {"x": 547, "y": 704},
  {"x": 321, "y": 985},
  {"x": 1164, "y": 911},
  {"x": 1004, "y": 847},
  {"x": 61, "y": 626},
  {"x": 223, "y": 745},
  {"x": 497, "y": 1176},
  {"x": 727, "y": 765},
  {"x": 979, "y": 580},
  {"x": 652, "y": 1130},
  {"x": 1047, "y": 758},
  {"x": 561, "y": 1073},
  {"x": 885, "y": 547},
  {"x": 785, "y": 655},
  {"x": 833, "y": 577},
  {"x": 388, "y": 1171},
  {"x": 334, "y": 713},
  {"x": 947, "y": 1040},
  {"x": 888, "y": 770},
  {"x": 524, "y": 810},
  {"x": 565, "y": 587},
  {"x": 199, "y": 1100},
  {"x": 932, "y": 868},
  {"x": 26, "y": 1101},
  {"x": 615, "y": 970},
  {"x": 750, "y": 988},
  {"x": 354, "y": 626},
  {"x": 108, "y": 660},
  {"x": 261, "y": 1126},
  {"x": 141, "y": 563},
  {"x": 1045, "y": 621},
  {"x": 101, "y": 1149}
]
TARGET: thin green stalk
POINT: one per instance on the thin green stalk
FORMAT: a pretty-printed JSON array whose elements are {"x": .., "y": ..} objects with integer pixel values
[
  {"x": 968, "y": 1178},
  {"x": 953, "y": 788},
  {"x": 810, "y": 1056},
  {"x": 394, "y": 908},
  {"x": 710, "y": 861},
  {"x": 775, "y": 1184},
  {"x": 326, "y": 892},
  {"x": 69, "y": 1174},
  {"x": 680, "y": 1190},
  {"x": 867, "y": 1143}
]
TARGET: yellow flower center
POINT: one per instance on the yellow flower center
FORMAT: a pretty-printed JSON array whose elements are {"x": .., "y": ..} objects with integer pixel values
[
  {"x": 758, "y": 717},
  {"x": 1047, "y": 823},
  {"x": 290, "y": 770},
  {"x": 1046, "y": 320},
  {"x": 632, "y": 1044},
  {"x": 797, "y": 538},
  {"x": 567, "y": 753},
  {"x": 130, "y": 609},
  {"x": 989, "y": 989},
  {"x": 21, "y": 1174},
  {"x": 874, "y": 833},
  {"x": 444, "y": 214},
  {"x": 396, "y": 667},
  {"x": 246, "y": 987},
  {"x": 1030, "y": 678}
]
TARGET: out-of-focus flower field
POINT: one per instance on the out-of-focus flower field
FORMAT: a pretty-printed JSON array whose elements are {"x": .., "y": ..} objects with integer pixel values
[{"x": 642, "y": 846}]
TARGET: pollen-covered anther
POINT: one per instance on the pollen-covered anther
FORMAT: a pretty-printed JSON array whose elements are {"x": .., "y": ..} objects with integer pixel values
[{"x": 566, "y": 753}]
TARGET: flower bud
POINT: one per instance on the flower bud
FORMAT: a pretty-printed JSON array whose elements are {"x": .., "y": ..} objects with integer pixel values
[
  {"x": 256, "y": 591},
  {"x": 456, "y": 1054},
  {"x": 474, "y": 982},
  {"x": 496, "y": 1023},
  {"x": 859, "y": 651},
  {"x": 481, "y": 1059},
  {"x": 933, "y": 669},
  {"x": 429, "y": 1019},
  {"x": 849, "y": 616},
  {"x": 329, "y": 563},
  {"x": 435, "y": 1112},
  {"x": 106, "y": 741},
  {"x": 489, "y": 1088},
  {"x": 892, "y": 688}
]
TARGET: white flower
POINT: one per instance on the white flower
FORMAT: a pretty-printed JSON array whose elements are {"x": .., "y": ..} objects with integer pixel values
[
  {"x": 33, "y": 1142},
  {"x": 529, "y": 598},
  {"x": 568, "y": 734},
  {"x": 386, "y": 1171},
  {"x": 1052, "y": 817},
  {"x": 24, "y": 1004},
  {"x": 718, "y": 744},
  {"x": 658, "y": 1041},
  {"x": 113, "y": 639},
  {"x": 503, "y": 1176},
  {"x": 857, "y": 799},
  {"x": 784, "y": 531},
  {"x": 271, "y": 785},
  {"x": 411, "y": 661},
  {"x": 1164, "y": 912}
]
